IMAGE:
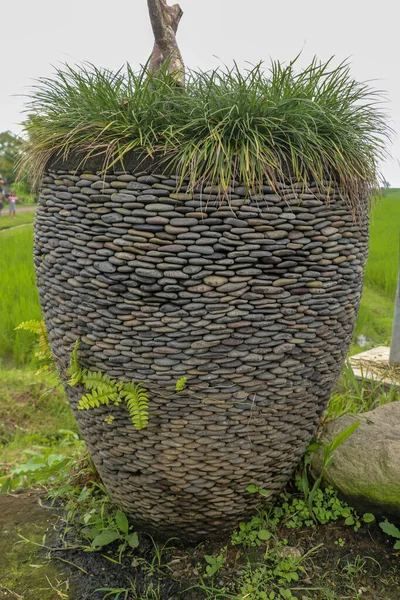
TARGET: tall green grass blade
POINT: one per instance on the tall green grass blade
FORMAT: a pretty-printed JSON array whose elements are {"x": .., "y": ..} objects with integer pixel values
[{"x": 312, "y": 124}]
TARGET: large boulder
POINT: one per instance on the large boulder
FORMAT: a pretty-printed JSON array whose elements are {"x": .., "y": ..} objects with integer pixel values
[{"x": 366, "y": 467}]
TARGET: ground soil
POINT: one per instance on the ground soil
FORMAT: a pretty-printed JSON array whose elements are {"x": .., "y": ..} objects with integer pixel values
[
  {"x": 365, "y": 566},
  {"x": 26, "y": 526},
  {"x": 343, "y": 565}
]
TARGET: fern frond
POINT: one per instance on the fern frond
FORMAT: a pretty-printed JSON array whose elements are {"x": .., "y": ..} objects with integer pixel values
[
  {"x": 96, "y": 398},
  {"x": 180, "y": 384},
  {"x": 95, "y": 379},
  {"x": 43, "y": 351},
  {"x": 43, "y": 340},
  {"x": 74, "y": 371},
  {"x": 137, "y": 403},
  {"x": 33, "y": 326},
  {"x": 102, "y": 390}
]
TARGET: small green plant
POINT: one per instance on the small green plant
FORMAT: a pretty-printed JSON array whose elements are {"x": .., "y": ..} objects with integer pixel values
[
  {"x": 340, "y": 542},
  {"x": 155, "y": 563},
  {"x": 180, "y": 384},
  {"x": 354, "y": 568},
  {"x": 271, "y": 581},
  {"x": 327, "y": 459},
  {"x": 102, "y": 390},
  {"x": 391, "y": 530},
  {"x": 254, "y": 532},
  {"x": 255, "y": 489},
  {"x": 327, "y": 508},
  {"x": 118, "y": 528},
  {"x": 293, "y": 511},
  {"x": 354, "y": 395},
  {"x": 88, "y": 510},
  {"x": 213, "y": 592},
  {"x": 44, "y": 463},
  {"x": 282, "y": 568},
  {"x": 42, "y": 352},
  {"x": 215, "y": 562}
]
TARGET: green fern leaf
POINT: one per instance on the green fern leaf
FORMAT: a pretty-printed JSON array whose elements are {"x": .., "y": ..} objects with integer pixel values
[
  {"x": 74, "y": 371},
  {"x": 137, "y": 402},
  {"x": 74, "y": 379},
  {"x": 110, "y": 391},
  {"x": 95, "y": 379},
  {"x": 43, "y": 351},
  {"x": 33, "y": 326},
  {"x": 180, "y": 384},
  {"x": 102, "y": 390},
  {"x": 95, "y": 399}
]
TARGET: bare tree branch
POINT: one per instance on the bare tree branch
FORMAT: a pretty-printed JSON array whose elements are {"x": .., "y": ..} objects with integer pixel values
[{"x": 165, "y": 20}]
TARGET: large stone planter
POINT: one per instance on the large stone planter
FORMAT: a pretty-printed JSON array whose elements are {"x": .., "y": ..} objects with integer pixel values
[{"x": 254, "y": 302}]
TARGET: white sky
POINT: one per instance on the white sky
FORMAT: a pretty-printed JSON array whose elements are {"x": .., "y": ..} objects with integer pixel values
[{"x": 38, "y": 34}]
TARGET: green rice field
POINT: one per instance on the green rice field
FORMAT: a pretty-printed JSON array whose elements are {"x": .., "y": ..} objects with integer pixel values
[
  {"x": 377, "y": 304},
  {"x": 382, "y": 267},
  {"x": 19, "y": 296},
  {"x": 21, "y": 218},
  {"x": 20, "y": 301}
]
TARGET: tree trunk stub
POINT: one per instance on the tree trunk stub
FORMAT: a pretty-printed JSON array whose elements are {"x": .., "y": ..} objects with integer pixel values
[{"x": 165, "y": 20}]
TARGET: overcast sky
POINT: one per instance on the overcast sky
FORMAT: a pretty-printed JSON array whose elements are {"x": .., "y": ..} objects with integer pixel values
[{"x": 35, "y": 36}]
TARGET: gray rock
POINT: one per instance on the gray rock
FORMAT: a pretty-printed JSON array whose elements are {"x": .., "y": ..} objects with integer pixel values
[
  {"x": 105, "y": 267},
  {"x": 112, "y": 218},
  {"x": 366, "y": 467}
]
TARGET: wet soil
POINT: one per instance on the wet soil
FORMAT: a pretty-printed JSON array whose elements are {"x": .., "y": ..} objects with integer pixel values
[
  {"x": 26, "y": 525},
  {"x": 343, "y": 565}
]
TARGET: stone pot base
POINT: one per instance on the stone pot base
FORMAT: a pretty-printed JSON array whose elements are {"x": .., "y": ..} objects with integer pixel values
[{"x": 254, "y": 303}]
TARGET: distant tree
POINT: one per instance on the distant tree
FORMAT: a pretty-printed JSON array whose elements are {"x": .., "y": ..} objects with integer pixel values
[{"x": 10, "y": 149}]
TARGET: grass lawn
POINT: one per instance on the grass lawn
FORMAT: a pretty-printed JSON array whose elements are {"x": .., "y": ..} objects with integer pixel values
[
  {"x": 375, "y": 317},
  {"x": 28, "y": 416},
  {"x": 377, "y": 303},
  {"x": 383, "y": 260},
  {"x": 19, "y": 298},
  {"x": 21, "y": 218}
]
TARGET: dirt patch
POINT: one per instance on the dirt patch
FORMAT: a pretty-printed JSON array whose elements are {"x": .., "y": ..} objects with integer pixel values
[
  {"x": 25, "y": 572},
  {"x": 343, "y": 565}
]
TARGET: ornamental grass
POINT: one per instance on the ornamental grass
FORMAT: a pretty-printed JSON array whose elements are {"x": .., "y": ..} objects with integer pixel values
[{"x": 316, "y": 124}]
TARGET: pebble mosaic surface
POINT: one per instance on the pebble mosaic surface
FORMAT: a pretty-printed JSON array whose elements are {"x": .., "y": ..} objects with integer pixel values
[{"x": 254, "y": 302}]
